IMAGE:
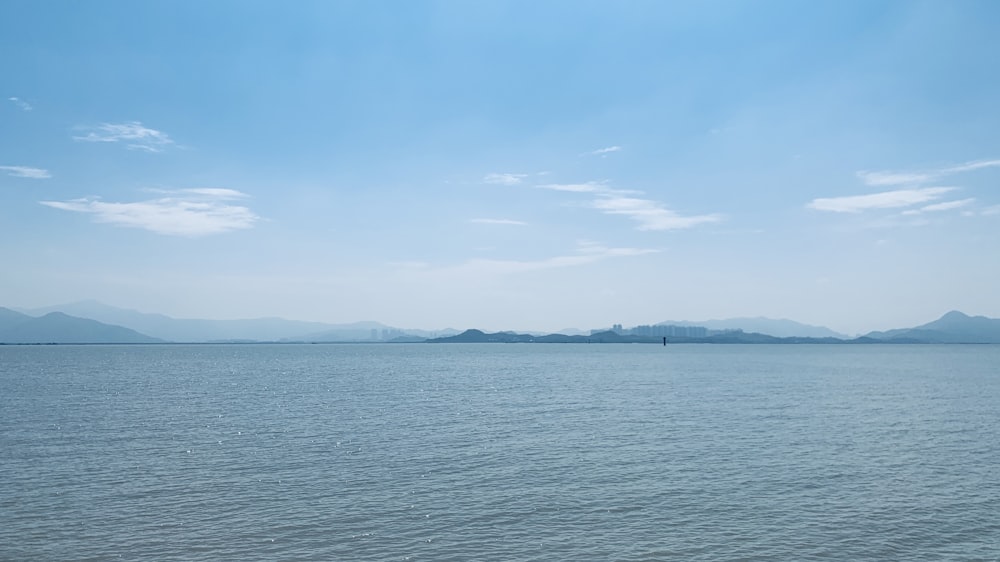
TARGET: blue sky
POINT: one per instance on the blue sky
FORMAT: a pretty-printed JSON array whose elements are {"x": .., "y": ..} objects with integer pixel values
[{"x": 503, "y": 165}]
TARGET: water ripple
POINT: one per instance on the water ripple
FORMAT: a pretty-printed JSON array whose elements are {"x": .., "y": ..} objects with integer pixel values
[{"x": 544, "y": 452}]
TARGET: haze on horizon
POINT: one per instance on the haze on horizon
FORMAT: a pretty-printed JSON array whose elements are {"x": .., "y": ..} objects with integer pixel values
[{"x": 503, "y": 165}]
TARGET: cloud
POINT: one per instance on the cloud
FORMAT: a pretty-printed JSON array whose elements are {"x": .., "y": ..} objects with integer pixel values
[
  {"x": 650, "y": 214},
  {"x": 603, "y": 152},
  {"x": 217, "y": 192},
  {"x": 589, "y": 187},
  {"x": 914, "y": 178},
  {"x": 975, "y": 165},
  {"x": 190, "y": 212},
  {"x": 505, "y": 179},
  {"x": 26, "y": 172},
  {"x": 25, "y": 106},
  {"x": 498, "y": 221},
  {"x": 893, "y": 178},
  {"x": 944, "y": 206},
  {"x": 586, "y": 253},
  {"x": 133, "y": 133},
  {"x": 476, "y": 269},
  {"x": 409, "y": 264},
  {"x": 884, "y": 200}
]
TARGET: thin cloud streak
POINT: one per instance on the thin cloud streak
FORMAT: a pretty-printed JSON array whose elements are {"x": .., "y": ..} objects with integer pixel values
[
  {"x": 586, "y": 253},
  {"x": 975, "y": 165},
  {"x": 133, "y": 133},
  {"x": 650, "y": 214},
  {"x": 504, "y": 179},
  {"x": 589, "y": 187},
  {"x": 948, "y": 205},
  {"x": 498, "y": 222},
  {"x": 193, "y": 214},
  {"x": 603, "y": 152},
  {"x": 216, "y": 192},
  {"x": 885, "y": 200},
  {"x": 878, "y": 179},
  {"x": 26, "y": 172},
  {"x": 23, "y": 105}
]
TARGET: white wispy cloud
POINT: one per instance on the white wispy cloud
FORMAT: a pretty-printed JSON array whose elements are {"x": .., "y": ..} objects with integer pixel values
[
  {"x": 504, "y": 179},
  {"x": 603, "y": 152},
  {"x": 884, "y": 178},
  {"x": 216, "y": 192},
  {"x": 23, "y": 105},
  {"x": 943, "y": 206},
  {"x": 26, "y": 172},
  {"x": 885, "y": 200},
  {"x": 588, "y": 187},
  {"x": 132, "y": 133},
  {"x": 650, "y": 214},
  {"x": 586, "y": 253},
  {"x": 878, "y": 179},
  {"x": 189, "y": 212},
  {"x": 498, "y": 221},
  {"x": 974, "y": 165},
  {"x": 413, "y": 264}
]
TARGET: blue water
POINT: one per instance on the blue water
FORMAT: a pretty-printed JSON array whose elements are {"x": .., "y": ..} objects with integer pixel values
[{"x": 500, "y": 452}]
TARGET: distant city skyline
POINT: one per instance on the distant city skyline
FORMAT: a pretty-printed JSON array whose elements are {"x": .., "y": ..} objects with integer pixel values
[{"x": 503, "y": 165}]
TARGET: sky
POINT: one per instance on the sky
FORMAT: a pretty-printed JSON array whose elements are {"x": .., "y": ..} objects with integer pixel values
[{"x": 503, "y": 165}]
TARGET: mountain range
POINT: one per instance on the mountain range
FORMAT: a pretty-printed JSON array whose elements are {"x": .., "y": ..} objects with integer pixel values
[
  {"x": 478, "y": 336},
  {"x": 94, "y": 322},
  {"x": 57, "y": 327},
  {"x": 780, "y": 328},
  {"x": 189, "y": 330},
  {"x": 953, "y": 327}
]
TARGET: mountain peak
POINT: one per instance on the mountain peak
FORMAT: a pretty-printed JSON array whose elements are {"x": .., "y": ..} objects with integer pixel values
[
  {"x": 59, "y": 327},
  {"x": 953, "y": 327},
  {"x": 955, "y": 315},
  {"x": 56, "y": 314}
]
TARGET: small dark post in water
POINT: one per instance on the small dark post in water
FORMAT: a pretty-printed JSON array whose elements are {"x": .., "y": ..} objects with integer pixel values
[{"x": 664, "y": 340}]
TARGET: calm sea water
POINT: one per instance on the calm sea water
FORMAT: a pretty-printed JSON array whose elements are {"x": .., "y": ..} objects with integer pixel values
[{"x": 500, "y": 452}]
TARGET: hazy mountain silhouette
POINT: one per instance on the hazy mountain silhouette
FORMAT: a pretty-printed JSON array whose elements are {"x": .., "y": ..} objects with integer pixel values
[
  {"x": 202, "y": 330},
  {"x": 355, "y": 331},
  {"x": 953, "y": 327},
  {"x": 186, "y": 330},
  {"x": 781, "y": 328},
  {"x": 10, "y": 318},
  {"x": 56, "y": 327},
  {"x": 362, "y": 331}
]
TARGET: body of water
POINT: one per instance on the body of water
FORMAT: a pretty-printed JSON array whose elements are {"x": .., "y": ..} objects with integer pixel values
[{"x": 500, "y": 452}]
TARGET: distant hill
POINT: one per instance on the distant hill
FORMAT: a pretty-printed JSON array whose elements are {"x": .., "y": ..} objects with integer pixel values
[
  {"x": 253, "y": 329},
  {"x": 953, "y": 327},
  {"x": 10, "y": 318},
  {"x": 56, "y": 327},
  {"x": 780, "y": 328},
  {"x": 362, "y": 331},
  {"x": 355, "y": 331},
  {"x": 478, "y": 336},
  {"x": 186, "y": 330}
]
